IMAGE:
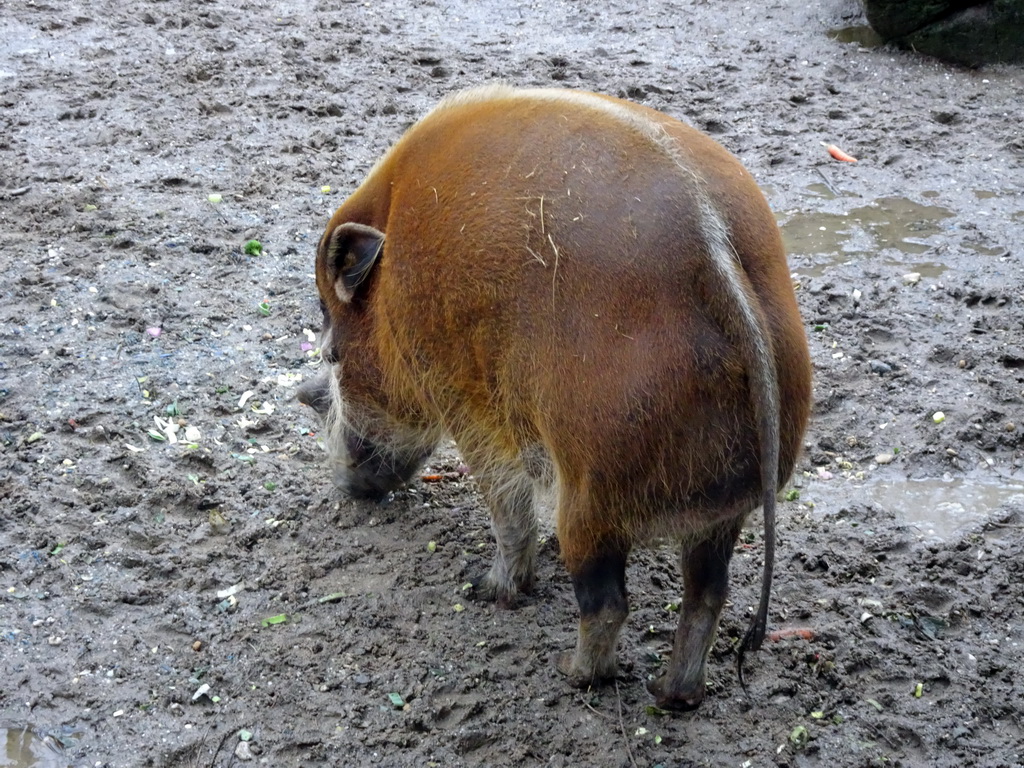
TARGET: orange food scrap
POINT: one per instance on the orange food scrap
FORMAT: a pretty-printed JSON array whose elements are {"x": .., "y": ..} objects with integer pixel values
[
  {"x": 838, "y": 154},
  {"x": 782, "y": 634}
]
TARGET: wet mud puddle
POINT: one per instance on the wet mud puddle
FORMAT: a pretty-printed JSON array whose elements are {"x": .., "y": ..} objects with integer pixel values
[
  {"x": 911, "y": 233},
  {"x": 943, "y": 508},
  {"x": 820, "y": 240},
  {"x": 22, "y": 748},
  {"x": 938, "y": 508}
]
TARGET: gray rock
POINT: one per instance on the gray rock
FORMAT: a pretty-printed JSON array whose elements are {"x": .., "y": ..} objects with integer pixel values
[{"x": 961, "y": 31}]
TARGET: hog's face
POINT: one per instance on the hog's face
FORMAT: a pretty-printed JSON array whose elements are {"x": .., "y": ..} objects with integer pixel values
[
  {"x": 373, "y": 470},
  {"x": 374, "y": 452}
]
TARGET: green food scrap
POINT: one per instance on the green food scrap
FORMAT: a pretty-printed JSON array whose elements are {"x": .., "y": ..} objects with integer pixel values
[
  {"x": 281, "y": 618},
  {"x": 217, "y": 519},
  {"x": 253, "y": 248},
  {"x": 799, "y": 736}
]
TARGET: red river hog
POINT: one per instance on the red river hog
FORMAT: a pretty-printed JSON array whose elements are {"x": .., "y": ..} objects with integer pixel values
[{"x": 585, "y": 294}]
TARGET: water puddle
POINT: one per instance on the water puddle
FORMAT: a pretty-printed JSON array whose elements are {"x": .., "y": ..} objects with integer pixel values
[
  {"x": 942, "y": 508},
  {"x": 22, "y": 748},
  {"x": 831, "y": 239},
  {"x": 861, "y": 34},
  {"x": 986, "y": 250}
]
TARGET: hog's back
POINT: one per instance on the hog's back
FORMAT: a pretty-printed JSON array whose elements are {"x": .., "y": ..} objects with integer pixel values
[{"x": 545, "y": 282}]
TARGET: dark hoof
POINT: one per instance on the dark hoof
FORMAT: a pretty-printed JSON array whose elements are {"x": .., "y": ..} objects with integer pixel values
[
  {"x": 482, "y": 591},
  {"x": 485, "y": 591},
  {"x": 564, "y": 663},
  {"x": 677, "y": 701}
]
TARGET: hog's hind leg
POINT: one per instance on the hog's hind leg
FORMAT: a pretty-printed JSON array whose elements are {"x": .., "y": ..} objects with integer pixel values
[
  {"x": 595, "y": 556},
  {"x": 705, "y": 567},
  {"x": 600, "y": 586}
]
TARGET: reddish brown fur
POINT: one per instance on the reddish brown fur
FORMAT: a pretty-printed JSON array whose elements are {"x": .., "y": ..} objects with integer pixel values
[{"x": 545, "y": 289}]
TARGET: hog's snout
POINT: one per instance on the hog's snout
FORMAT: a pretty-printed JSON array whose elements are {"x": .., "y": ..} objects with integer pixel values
[{"x": 373, "y": 471}]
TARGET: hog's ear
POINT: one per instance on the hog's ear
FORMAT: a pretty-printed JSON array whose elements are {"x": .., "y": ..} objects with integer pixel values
[{"x": 351, "y": 253}]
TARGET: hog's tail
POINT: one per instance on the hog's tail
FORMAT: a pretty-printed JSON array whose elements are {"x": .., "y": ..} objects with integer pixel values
[{"x": 745, "y": 320}]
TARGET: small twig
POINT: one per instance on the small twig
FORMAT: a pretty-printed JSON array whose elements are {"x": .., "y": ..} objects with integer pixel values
[
  {"x": 597, "y": 712},
  {"x": 828, "y": 182},
  {"x": 554, "y": 274},
  {"x": 231, "y": 755},
  {"x": 536, "y": 256},
  {"x": 622, "y": 727},
  {"x": 217, "y": 211}
]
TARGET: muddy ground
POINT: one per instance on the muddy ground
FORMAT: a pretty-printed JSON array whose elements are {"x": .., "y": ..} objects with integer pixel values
[{"x": 138, "y": 574}]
